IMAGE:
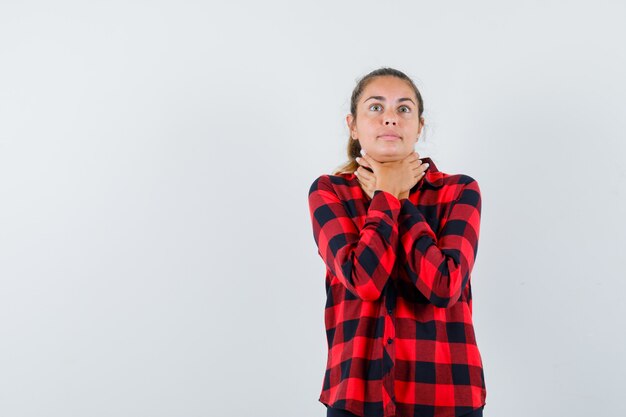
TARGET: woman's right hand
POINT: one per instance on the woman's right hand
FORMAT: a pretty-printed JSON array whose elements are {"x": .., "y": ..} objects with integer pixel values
[{"x": 396, "y": 177}]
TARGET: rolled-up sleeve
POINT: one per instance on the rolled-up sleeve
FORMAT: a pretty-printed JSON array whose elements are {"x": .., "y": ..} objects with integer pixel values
[
  {"x": 439, "y": 265},
  {"x": 362, "y": 259}
]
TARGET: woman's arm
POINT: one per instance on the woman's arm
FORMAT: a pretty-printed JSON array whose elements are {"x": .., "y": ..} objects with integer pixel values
[
  {"x": 362, "y": 259},
  {"x": 440, "y": 266}
]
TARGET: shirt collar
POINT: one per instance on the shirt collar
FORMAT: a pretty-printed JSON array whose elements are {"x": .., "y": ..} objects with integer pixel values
[{"x": 433, "y": 176}]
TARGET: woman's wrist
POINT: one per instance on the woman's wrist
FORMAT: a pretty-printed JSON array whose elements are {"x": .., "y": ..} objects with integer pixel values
[
  {"x": 397, "y": 194},
  {"x": 387, "y": 188}
]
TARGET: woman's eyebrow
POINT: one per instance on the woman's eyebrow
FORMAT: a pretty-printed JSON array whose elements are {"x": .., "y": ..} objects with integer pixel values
[{"x": 381, "y": 98}]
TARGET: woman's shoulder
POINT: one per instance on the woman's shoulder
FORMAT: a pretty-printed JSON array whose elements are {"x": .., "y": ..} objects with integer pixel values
[
  {"x": 455, "y": 185},
  {"x": 457, "y": 178},
  {"x": 328, "y": 181}
]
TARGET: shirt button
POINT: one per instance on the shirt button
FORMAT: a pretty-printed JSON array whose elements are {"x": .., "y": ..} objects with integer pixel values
[
  {"x": 390, "y": 340},
  {"x": 389, "y": 311}
]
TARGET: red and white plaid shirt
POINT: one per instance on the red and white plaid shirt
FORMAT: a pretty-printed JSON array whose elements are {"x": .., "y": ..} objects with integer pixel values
[{"x": 398, "y": 313}]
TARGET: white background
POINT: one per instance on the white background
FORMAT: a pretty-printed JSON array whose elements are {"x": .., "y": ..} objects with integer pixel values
[{"x": 156, "y": 251}]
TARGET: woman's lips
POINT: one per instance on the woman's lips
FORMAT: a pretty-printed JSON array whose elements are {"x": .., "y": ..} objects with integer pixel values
[{"x": 389, "y": 137}]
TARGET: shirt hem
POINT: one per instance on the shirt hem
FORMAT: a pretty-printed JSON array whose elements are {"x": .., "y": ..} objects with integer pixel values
[{"x": 328, "y": 404}]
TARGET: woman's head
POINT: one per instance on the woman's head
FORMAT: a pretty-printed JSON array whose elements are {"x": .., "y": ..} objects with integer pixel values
[{"x": 385, "y": 101}]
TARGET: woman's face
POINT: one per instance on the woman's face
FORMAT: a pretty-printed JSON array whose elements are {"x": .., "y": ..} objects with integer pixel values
[{"x": 388, "y": 106}]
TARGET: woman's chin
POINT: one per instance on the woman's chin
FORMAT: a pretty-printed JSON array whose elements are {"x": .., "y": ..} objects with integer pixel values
[{"x": 388, "y": 153}]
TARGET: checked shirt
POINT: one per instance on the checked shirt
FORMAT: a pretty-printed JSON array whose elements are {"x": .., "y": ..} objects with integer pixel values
[{"x": 398, "y": 311}]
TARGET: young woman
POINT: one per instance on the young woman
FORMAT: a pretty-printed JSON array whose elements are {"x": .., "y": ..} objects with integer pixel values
[{"x": 399, "y": 239}]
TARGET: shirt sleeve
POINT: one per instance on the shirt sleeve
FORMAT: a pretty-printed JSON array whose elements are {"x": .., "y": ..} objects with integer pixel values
[
  {"x": 362, "y": 259},
  {"x": 440, "y": 266}
]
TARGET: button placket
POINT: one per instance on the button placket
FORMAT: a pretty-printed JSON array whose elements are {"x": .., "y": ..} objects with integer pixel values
[{"x": 389, "y": 335}]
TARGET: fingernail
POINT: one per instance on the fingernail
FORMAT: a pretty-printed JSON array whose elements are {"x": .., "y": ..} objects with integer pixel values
[
  {"x": 426, "y": 164},
  {"x": 362, "y": 151},
  {"x": 357, "y": 158}
]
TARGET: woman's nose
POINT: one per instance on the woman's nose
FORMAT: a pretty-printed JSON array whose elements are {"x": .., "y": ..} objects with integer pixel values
[{"x": 389, "y": 118}]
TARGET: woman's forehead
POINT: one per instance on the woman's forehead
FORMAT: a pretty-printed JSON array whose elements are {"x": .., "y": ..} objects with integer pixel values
[{"x": 387, "y": 90}]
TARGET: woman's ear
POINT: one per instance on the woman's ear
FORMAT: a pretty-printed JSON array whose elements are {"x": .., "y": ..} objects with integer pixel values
[{"x": 349, "y": 121}]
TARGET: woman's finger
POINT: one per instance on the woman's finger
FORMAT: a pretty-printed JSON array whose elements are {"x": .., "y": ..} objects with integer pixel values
[
  {"x": 361, "y": 183},
  {"x": 421, "y": 167},
  {"x": 412, "y": 157},
  {"x": 369, "y": 179},
  {"x": 359, "y": 174},
  {"x": 373, "y": 164},
  {"x": 366, "y": 179},
  {"x": 367, "y": 188},
  {"x": 365, "y": 174},
  {"x": 363, "y": 162}
]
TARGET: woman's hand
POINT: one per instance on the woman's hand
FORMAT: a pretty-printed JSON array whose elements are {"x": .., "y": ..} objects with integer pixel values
[
  {"x": 395, "y": 177},
  {"x": 366, "y": 178}
]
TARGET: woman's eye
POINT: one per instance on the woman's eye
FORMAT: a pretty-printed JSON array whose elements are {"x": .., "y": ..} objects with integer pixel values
[{"x": 408, "y": 109}]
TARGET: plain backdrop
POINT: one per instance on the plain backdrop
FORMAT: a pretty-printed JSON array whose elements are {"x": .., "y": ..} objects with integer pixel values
[{"x": 156, "y": 251}]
